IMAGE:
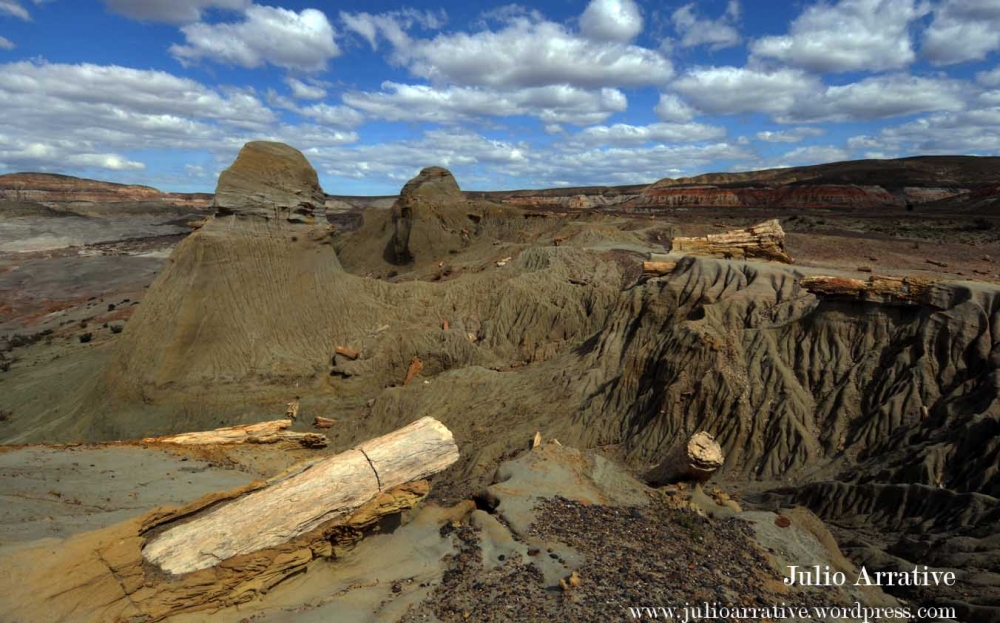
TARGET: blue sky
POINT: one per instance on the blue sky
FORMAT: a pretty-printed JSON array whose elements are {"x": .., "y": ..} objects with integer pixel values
[{"x": 164, "y": 92}]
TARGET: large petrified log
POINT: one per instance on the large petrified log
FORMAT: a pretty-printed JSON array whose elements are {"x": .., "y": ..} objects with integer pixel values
[
  {"x": 326, "y": 491},
  {"x": 314, "y": 510},
  {"x": 878, "y": 289},
  {"x": 261, "y": 432},
  {"x": 765, "y": 241},
  {"x": 695, "y": 460},
  {"x": 658, "y": 268}
]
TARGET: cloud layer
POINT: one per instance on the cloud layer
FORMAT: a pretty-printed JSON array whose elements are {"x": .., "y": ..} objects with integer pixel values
[{"x": 620, "y": 92}]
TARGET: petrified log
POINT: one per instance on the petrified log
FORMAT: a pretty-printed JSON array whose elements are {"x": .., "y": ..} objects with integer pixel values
[
  {"x": 764, "y": 241},
  {"x": 695, "y": 460},
  {"x": 878, "y": 289},
  {"x": 658, "y": 268},
  {"x": 326, "y": 491},
  {"x": 323, "y": 422},
  {"x": 261, "y": 432},
  {"x": 350, "y": 353},
  {"x": 100, "y": 576},
  {"x": 415, "y": 367}
]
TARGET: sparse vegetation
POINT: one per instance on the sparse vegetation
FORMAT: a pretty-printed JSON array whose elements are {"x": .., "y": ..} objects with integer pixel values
[{"x": 19, "y": 340}]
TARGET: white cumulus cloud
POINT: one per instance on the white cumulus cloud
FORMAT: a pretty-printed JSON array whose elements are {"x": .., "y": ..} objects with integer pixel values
[
  {"x": 60, "y": 116},
  {"x": 305, "y": 91},
  {"x": 551, "y": 104},
  {"x": 266, "y": 35},
  {"x": 962, "y": 30},
  {"x": 621, "y": 134},
  {"x": 731, "y": 90},
  {"x": 392, "y": 26},
  {"x": 792, "y": 95},
  {"x": 525, "y": 51},
  {"x": 14, "y": 8},
  {"x": 715, "y": 33},
  {"x": 611, "y": 20},
  {"x": 850, "y": 35},
  {"x": 989, "y": 78},
  {"x": 672, "y": 108},
  {"x": 793, "y": 135}
]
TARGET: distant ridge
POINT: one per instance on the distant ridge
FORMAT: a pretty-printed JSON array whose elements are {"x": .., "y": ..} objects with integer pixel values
[
  {"x": 961, "y": 174},
  {"x": 58, "y": 188}
]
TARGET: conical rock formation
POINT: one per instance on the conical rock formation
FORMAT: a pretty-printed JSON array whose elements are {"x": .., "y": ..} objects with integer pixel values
[
  {"x": 243, "y": 303},
  {"x": 429, "y": 203}
]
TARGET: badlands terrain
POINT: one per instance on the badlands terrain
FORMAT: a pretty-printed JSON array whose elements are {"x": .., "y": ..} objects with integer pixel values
[{"x": 835, "y": 329}]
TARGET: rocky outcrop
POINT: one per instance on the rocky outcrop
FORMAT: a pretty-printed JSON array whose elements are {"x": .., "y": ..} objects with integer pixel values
[
  {"x": 431, "y": 193},
  {"x": 271, "y": 181},
  {"x": 52, "y": 188},
  {"x": 764, "y": 241},
  {"x": 428, "y": 218}
]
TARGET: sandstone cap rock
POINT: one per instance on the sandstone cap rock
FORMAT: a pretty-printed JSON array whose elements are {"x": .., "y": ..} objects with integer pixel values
[{"x": 270, "y": 180}]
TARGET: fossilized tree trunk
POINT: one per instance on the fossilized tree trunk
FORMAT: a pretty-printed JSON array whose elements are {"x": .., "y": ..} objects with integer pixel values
[
  {"x": 878, "y": 289},
  {"x": 327, "y": 490},
  {"x": 764, "y": 241},
  {"x": 105, "y": 575},
  {"x": 262, "y": 432},
  {"x": 695, "y": 460},
  {"x": 658, "y": 268}
]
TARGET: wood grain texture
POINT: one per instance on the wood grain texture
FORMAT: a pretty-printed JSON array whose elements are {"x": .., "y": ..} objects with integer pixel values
[
  {"x": 878, "y": 289},
  {"x": 658, "y": 268},
  {"x": 328, "y": 490},
  {"x": 764, "y": 241},
  {"x": 697, "y": 459},
  {"x": 261, "y": 432}
]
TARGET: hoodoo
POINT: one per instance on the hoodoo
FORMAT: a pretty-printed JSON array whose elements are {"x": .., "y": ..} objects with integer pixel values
[
  {"x": 431, "y": 221},
  {"x": 250, "y": 300},
  {"x": 423, "y": 200}
]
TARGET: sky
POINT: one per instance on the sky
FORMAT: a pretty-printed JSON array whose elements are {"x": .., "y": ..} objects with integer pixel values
[{"x": 558, "y": 93}]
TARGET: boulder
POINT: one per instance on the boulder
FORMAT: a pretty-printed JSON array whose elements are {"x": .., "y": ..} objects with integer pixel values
[{"x": 272, "y": 181}]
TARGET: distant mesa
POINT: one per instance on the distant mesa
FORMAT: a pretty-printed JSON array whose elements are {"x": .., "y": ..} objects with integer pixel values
[
  {"x": 52, "y": 188},
  {"x": 270, "y": 180}
]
